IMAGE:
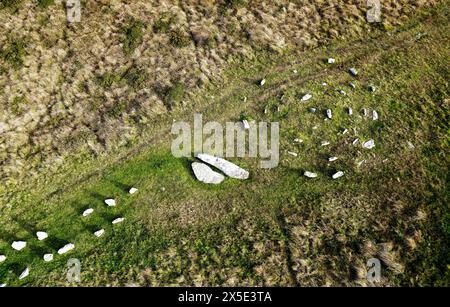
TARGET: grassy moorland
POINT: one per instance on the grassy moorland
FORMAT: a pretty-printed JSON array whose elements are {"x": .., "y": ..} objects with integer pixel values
[{"x": 279, "y": 227}]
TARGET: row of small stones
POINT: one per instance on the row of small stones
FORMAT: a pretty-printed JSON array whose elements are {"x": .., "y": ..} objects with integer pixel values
[{"x": 41, "y": 235}]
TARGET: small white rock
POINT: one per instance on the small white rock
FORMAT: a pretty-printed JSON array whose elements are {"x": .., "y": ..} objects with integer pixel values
[
  {"x": 2, "y": 285},
  {"x": 132, "y": 190},
  {"x": 345, "y": 131},
  {"x": 338, "y": 175},
  {"x": 325, "y": 143},
  {"x": 246, "y": 124},
  {"x": 48, "y": 257},
  {"x": 331, "y": 61},
  {"x": 294, "y": 154},
  {"x": 353, "y": 71},
  {"x": 369, "y": 144},
  {"x": 343, "y": 93},
  {"x": 295, "y": 71},
  {"x": 375, "y": 115},
  {"x": 350, "y": 111},
  {"x": 19, "y": 245},
  {"x": 262, "y": 82},
  {"x": 205, "y": 174},
  {"x": 66, "y": 248},
  {"x": 355, "y": 141},
  {"x": 88, "y": 212},
  {"x": 110, "y": 202},
  {"x": 332, "y": 159},
  {"x": 24, "y": 273},
  {"x": 228, "y": 168},
  {"x": 118, "y": 220},
  {"x": 2, "y": 258},
  {"x": 329, "y": 114},
  {"x": 41, "y": 235},
  {"x": 306, "y": 97},
  {"x": 310, "y": 174},
  {"x": 297, "y": 140},
  {"x": 99, "y": 233},
  {"x": 352, "y": 85}
]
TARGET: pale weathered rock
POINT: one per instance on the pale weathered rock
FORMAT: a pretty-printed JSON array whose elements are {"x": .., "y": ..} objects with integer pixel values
[
  {"x": 352, "y": 85},
  {"x": 205, "y": 174},
  {"x": 2, "y": 258},
  {"x": 329, "y": 114},
  {"x": 375, "y": 115},
  {"x": 118, "y": 220},
  {"x": 25, "y": 273},
  {"x": 19, "y": 245},
  {"x": 312, "y": 110},
  {"x": 332, "y": 159},
  {"x": 228, "y": 168},
  {"x": 110, "y": 202},
  {"x": 99, "y": 233},
  {"x": 262, "y": 82},
  {"x": 331, "y": 61},
  {"x": 350, "y": 111},
  {"x": 294, "y": 154},
  {"x": 66, "y": 248},
  {"x": 343, "y": 93},
  {"x": 48, "y": 257},
  {"x": 132, "y": 190},
  {"x": 297, "y": 140},
  {"x": 41, "y": 235},
  {"x": 355, "y": 141},
  {"x": 306, "y": 97},
  {"x": 246, "y": 124},
  {"x": 369, "y": 144},
  {"x": 2, "y": 285},
  {"x": 345, "y": 131},
  {"x": 338, "y": 175},
  {"x": 325, "y": 143},
  {"x": 88, "y": 212},
  {"x": 310, "y": 174},
  {"x": 353, "y": 71}
]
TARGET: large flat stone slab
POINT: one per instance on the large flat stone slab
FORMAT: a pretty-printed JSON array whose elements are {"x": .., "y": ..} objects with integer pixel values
[
  {"x": 228, "y": 168},
  {"x": 205, "y": 174}
]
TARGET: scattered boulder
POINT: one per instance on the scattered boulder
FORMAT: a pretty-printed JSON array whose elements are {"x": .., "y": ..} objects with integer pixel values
[
  {"x": 110, "y": 202},
  {"x": 369, "y": 144},
  {"x": 88, "y": 212},
  {"x": 329, "y": 114},
  {"x": 331, "y": 61},
  {"x": 353, "y": 71},
  {"x": 262, "y": 82},
  {"x": 118, "y": 220},
  {"x": 350, "y": 111},
  {"x": 312, "y": 110},
  {"x": 2, "y": 285},
  {"x": 228, "y": 168},
  {"x": 2, "y": 258},
  {"x": 375, "y": 115},
  {"x": 25, "y": 273},
  {"x": 338, "y": 175},
  {"x": 294, "y": 154},
  {"x": 48, "y": 257},
  {"x": 19, "y": 245},
  {"x": 324, "y": 143},
  {"x": 352, "y": 85},
  {"x": 372, "y": 88},
  {"x": 99, "y": 233},
  {"x": 41, "y": 235},
  {"x": 355, "y": 141},
  {"x": 343, "y": 93},
  {"x": 345, "y": 131},
  {"x": 306, "y": 97},
  {"x": 205, "y": 174},
  {"x": 66, "y": 248},
  {"x": 332, "y": 159},
  {"x": 132, "y": 190},
  {"x": 310, "y": 174}
]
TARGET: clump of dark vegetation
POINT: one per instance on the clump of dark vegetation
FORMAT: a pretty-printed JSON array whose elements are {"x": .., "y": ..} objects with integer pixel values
[
  {"x": 45, "y": 3},
  {"x": 18, "y": 105},
  {"x": 107, "y": 79},
  {"x": 13, "y": 5},
  {"x": 164, "y": 24},
  {"x": 230, "y": 4},
  {"x": 133, "y": 36},
  {"x": 136, "y": 77},
  {"x": 118, "y": 109},
  {"x": 179, "y": 39},
  {"x": 174, "y": 95},
  {"x": 14, "y": 53}
]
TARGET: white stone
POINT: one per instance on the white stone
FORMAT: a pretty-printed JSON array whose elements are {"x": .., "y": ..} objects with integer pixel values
[
  {"x": 344, "y": 93},
  {"x": 345, "y": 131},
  {"x": 228, "y": 168},
  {"x": 19, "y": 245},
  {"x": 350, "y": 111},
  {"x": 298, "y": 140},
  {"x": 332, "y": 159},
  {"x": 118, "y": 220},
  {"x": 132, "y": 190},
  {"x": 246, "y": 124},
  {"x": 2, "y": 258},
  {"x": 110, "y": 202},
  {"x": 338, "y": 175},
  {"x": 329, "y": 114},
  {"x": 24, "y": 273},
  {"x": 369, "y": 144},
  {"x": 312, "y": 110},
  {"x": 410, "y": 145},
  {"x": 48, "y": 257},
  {"x": 2, "y": 285},
  {"x": 352, "y": 85},
  {"x": 294, "y": 154},
  {"x": 99, "y": 233},
  {"x": 310, "y": 174},
  {"x": 262, "y": 82},
  {"x": 41, "y": 235},
  {"x": 306, "y": 97},
  {"x": 353, "y": 71},
  {"x": 331, "y": 61},
  {"x": 355, "y": 141},
  {"x": 88, "y": 212},
  {"x": 66, "y": 248},
  {"x": 325, "y": 143},
  {"x": 295, "y": 71},
  {"x": 375, "y": 115},
  {"x": 205, "y": 174}
]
